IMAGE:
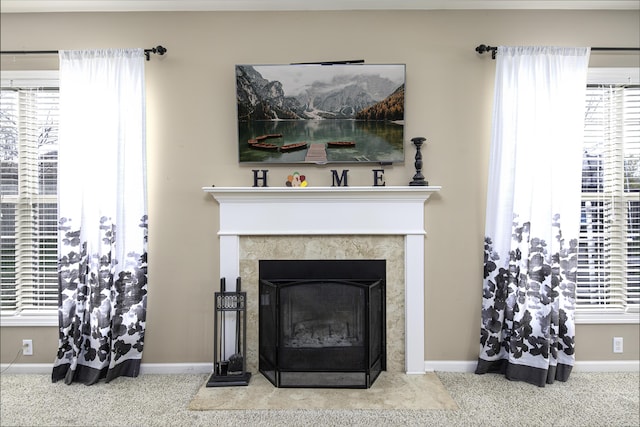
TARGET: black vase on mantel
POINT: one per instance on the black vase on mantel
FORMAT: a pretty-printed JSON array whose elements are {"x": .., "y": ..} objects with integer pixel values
[{"x": 418, "y": 178}]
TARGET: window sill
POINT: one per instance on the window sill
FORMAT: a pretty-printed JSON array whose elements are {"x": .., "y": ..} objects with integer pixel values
[
  {"x": 29, "y": 320},
  {"x": 602, "y": 318}
]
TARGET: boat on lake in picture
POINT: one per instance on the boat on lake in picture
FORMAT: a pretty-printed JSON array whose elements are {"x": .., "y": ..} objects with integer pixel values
[
  {"x": 265, "y": 146},
  {"x": 258, "y": 143},
  {"x": 292, "y": 147},
  {"x": 339, "y": 144}
]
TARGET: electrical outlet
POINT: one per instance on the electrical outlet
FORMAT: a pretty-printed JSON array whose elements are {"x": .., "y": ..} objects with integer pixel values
[
  {"x": 27, "y": 347},
  {"x": 617, "y": 345}
]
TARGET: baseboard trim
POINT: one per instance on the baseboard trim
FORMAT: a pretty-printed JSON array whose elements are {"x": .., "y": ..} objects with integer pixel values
[
  {"x": 607, "y": 366},
  {"x": 450, "y": 365},
  {"x": 429, "y": 366},
  {"x": 176, "y": 368},
  {"x": 26, "y": 368},
  {"x": 580, "y": 366},
  {"x": 145, "y": 368}
]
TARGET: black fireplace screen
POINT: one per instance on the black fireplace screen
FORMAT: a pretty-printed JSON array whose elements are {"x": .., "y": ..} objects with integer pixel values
[{"x": 322, "y": 322}]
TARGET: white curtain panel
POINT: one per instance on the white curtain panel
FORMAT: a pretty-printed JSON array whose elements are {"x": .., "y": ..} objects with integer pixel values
[
  {"x": 533, "y": 213},
  {"x": 102, "y": 214}
]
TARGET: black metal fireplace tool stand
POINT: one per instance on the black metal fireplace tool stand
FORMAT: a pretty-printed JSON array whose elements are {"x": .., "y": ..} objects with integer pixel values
[{"x": 231, "y": 371}]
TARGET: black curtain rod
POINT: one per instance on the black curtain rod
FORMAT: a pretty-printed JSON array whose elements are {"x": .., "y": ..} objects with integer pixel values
[
  {"x": 483, "y": 48},
  {"x": 347, "y": 62},
  {"x": 158, "y": 50}
]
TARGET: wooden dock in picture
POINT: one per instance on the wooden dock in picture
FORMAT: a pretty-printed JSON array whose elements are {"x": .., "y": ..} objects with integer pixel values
[{"x": 317, "y": 153}]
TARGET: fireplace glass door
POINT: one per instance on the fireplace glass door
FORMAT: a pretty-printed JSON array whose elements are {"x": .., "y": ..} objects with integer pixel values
[{"x": 322, "y": 332}]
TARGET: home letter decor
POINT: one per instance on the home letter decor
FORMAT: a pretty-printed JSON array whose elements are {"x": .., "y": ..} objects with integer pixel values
[
  {"x": 378, "y": 178},
  {"x": 263, "y": 178},
  {"x": 339, "y": 181}
]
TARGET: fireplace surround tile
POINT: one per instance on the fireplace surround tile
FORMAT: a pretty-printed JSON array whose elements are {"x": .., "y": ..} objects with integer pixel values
[{"x": 390, "y": 248}]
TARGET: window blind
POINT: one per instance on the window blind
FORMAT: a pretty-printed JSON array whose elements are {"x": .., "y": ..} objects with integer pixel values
[
  {"x": 28, "y": 196},
  {"x": 608, "y": 276}
]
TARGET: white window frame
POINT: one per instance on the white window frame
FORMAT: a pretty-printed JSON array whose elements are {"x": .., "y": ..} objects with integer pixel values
[
  {"x": 601, "y": 315},
  {"x": 31, "y": 78}
]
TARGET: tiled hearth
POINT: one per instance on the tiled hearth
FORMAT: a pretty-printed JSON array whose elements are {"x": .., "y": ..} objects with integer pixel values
[{"x": 332, "y": 223}]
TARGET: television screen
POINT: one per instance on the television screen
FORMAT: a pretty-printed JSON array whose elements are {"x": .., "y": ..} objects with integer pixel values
[{"x": 301, "y": 113}]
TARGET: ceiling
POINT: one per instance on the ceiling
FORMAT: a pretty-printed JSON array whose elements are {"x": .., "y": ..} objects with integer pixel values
[{"x": 26, "y": 6}]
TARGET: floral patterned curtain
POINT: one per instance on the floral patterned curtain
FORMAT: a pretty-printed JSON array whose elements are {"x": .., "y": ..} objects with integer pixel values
[
  {"x": 102, "y": 215},
  {"x": 533, "y": 214}
]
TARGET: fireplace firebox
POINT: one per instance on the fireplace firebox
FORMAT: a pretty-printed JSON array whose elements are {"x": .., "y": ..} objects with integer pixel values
[{"x": 322, "y": 322}]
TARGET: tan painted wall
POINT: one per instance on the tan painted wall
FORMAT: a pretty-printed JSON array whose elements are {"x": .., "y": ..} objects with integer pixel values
[{"x": 191, "y": 143}]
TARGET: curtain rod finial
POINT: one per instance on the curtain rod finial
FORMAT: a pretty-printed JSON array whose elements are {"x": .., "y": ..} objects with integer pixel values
[
  {"x": 485, "y": 48},
  {"x": 158, "y": 50}
]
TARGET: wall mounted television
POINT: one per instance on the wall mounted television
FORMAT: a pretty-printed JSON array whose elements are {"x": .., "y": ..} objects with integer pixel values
[{"x": 312, "y": 113}]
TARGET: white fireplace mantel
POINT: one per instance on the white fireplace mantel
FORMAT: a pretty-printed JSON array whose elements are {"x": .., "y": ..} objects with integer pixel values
[{"x": 279, "y": 211}]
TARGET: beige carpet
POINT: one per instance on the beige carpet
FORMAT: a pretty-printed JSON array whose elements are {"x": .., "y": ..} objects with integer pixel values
[
  {"x": 601, "y": 399},
  {"x": 390, "y": 391}
]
